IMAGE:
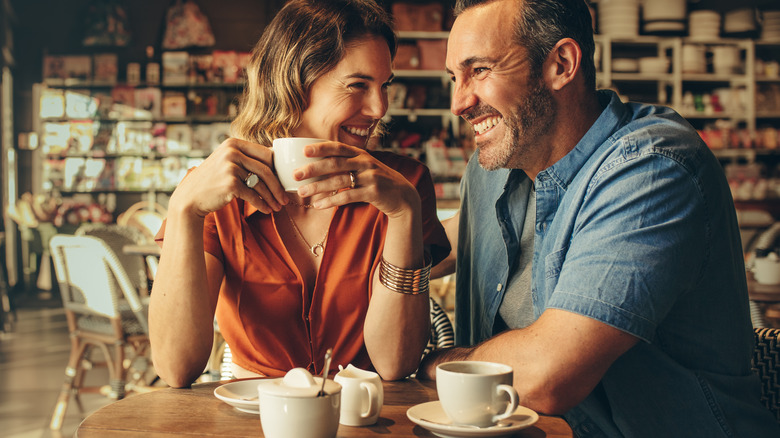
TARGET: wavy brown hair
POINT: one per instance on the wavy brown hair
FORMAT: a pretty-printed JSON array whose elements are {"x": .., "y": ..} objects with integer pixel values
[{"x": 304, "y": 41}]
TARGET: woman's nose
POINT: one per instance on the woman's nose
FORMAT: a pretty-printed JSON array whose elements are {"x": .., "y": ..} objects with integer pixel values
[{"x": 376, "y": 104}]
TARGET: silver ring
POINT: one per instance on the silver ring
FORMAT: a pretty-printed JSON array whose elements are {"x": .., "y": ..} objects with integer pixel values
[
  {"x": 251, "y": 180},
  {"x": 352, "y": 179}
]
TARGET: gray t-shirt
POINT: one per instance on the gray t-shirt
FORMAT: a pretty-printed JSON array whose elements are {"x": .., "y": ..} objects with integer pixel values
[{"x": 517, "y": 307}]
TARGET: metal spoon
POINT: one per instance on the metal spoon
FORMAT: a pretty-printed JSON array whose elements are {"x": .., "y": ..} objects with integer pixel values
[{"x": 328, "y": 355}]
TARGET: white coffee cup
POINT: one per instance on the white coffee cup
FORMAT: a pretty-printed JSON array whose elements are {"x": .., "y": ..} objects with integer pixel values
[
  {"x": 289, "y": 411},
  {"x": 288, "y": 156},
  {"x": 766, "y": 270},
  {"x": 362, "y": 396},
  {"x": 472, "y": 392}
]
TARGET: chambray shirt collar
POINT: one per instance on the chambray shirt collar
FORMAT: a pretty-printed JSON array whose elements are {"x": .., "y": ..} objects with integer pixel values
[{"x": 565, "y": 169}]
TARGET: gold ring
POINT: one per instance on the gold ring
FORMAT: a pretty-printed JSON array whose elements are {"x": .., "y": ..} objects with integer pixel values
[
  {"x": 352, "y": 179},
  {"x": 251, "y": 180}
]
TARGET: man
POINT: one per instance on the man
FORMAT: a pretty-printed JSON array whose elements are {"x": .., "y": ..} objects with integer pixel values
[{"x": 640, "y": 324}]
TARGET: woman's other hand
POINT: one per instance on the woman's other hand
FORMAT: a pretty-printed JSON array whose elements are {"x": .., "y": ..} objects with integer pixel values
[{"x": 222, "y": 178}]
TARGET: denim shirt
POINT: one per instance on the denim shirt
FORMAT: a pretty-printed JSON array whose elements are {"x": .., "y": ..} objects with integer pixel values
[{"x": 636, "y": 228}]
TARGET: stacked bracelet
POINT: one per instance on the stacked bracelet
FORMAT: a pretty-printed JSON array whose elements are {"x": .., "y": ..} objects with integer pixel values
[{"x": 404, "y": 281}]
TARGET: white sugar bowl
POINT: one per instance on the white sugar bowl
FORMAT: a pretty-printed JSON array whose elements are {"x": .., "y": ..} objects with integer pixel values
[{"x": 290, "y": 406}]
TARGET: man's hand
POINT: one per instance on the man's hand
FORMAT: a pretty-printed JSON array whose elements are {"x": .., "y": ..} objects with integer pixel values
[{"x": 429, "y": 363}]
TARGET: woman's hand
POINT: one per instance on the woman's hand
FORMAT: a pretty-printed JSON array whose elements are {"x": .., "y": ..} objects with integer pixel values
[
  {"x": 374, "y": 182},
  {"x": 221, "y": 178}
]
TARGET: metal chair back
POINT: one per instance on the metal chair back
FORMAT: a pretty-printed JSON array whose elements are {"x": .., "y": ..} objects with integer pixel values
[{"x": 766, "y": 363}]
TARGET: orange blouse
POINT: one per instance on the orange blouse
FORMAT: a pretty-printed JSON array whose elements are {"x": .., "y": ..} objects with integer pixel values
[{"x": 266, "y": 315}]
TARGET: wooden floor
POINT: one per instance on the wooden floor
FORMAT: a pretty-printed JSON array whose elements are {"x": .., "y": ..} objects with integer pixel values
[{"x": 33, "y": 356}]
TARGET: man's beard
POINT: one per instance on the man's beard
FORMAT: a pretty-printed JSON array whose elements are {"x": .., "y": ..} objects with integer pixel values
[{"x": 529, "y": 121}]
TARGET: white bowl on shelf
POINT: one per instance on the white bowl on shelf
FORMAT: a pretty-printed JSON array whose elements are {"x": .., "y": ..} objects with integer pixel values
[
  {"x": 625, "y": 65},
  {"x": 654, "y": 65},
  {"x": 663, "y": 10},
  {"x": 664, "y": 26},
  {"x": 739, "y": 20}
]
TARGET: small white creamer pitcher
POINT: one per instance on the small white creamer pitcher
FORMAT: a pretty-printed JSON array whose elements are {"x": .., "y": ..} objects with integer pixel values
[{"x": 361, "y": 396}]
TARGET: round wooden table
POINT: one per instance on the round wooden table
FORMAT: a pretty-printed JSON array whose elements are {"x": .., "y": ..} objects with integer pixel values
[
  {"x": 196, "y": 412},
  {"x": 768, "y": 293}
]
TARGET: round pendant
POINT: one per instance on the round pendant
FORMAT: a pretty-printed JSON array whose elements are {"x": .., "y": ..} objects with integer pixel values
[{"x": 317, "y": 247}]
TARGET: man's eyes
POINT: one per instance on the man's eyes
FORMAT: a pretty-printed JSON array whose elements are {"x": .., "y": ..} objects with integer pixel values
[{"x": 475, "y": 71}]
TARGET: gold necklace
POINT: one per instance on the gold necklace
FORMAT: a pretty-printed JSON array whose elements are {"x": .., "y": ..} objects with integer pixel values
[
  {"x": 313, "y": 248},
  {"x": 301, "y": 205}
]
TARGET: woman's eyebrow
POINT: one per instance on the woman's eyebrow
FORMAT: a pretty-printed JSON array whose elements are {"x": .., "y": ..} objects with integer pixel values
[{"x": 366, "y": 77}]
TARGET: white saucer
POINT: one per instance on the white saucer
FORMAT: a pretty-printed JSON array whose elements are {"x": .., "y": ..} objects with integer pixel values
[
  {"x": 431, "y": 416},
  {"x": 242, "y": 395}
]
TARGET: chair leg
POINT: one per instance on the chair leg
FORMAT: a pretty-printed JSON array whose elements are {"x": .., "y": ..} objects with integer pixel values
[
  {"x": 73, "y": 378},
  {"x": 81, "y": 372},
  {"x": 120, "y": 372}
]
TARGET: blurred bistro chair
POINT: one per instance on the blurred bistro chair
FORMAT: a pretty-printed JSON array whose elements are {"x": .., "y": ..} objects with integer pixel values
[
  {"x": 145, "y": 216},
  {"x": 140, "y": 269},
  {"x": 103, "y": 311},
  {"x": 766, "y": 363},
  {"x": 7, "y": 311},
  {"x": 442, "y": 336}
]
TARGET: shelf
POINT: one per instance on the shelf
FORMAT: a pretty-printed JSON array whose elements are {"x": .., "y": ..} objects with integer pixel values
[
  {"x": 711, "y": 77},
  {"x": 746, "y": 153},
  {"x": 713, "y": 116},
  {"x": 642, "y": 77},
  {"x": 434, "y": 74},
  {"x": 419, "y": 112},
  {"x": 120, "y": 191},
  {"x": 422, "y": 35},
  {"x": 118, "y": 155},
  {"x": 771, "y": 206},
  {"x": 643, "y": 40},
  {"x": 107, "y": 120},
  {"x": 762, "y": 292},
  {"x": 80, "y": 83}
]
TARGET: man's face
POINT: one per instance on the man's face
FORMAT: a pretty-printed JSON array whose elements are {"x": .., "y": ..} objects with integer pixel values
[{"x": 510, "y": 109}]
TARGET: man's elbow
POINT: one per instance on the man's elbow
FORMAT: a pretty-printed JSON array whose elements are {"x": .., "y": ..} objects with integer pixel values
[{"x": 551, "y": 399}]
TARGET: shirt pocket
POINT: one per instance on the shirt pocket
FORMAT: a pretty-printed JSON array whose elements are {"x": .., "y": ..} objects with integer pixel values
[{"x": 553, "y": 263}]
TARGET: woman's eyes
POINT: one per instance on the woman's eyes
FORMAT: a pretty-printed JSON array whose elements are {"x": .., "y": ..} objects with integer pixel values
[{"x": 365, "y": 86}]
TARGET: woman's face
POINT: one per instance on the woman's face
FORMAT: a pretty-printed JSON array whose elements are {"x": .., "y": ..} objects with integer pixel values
[{"x": 346, "y": 103}]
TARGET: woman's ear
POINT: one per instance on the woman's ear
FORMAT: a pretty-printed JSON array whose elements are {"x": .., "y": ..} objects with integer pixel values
[{"x": 563, "y": 64}]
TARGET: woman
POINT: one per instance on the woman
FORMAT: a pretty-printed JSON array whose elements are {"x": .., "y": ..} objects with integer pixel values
[{"x": 290, "y": 275}]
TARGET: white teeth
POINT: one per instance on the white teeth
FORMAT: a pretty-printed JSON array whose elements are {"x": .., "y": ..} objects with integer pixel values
[
  {"x": 486, "y": 124},
  {"x": 363, "y": 132}
]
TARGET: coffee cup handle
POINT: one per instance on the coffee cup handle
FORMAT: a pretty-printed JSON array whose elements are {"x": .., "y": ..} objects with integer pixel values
[
  {"x": 509, "y": 389},
  {"x": 373, "y": 398}
]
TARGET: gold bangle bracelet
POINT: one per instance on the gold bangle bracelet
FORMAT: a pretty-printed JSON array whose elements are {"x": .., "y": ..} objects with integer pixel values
[{"x": 404, "y": 281}]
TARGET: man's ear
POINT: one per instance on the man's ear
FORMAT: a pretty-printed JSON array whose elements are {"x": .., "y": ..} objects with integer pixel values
[{"x": 563, "y": 63}]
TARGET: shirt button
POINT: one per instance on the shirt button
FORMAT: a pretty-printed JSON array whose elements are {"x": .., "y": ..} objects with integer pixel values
[{"x": 499, "y": 287}]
